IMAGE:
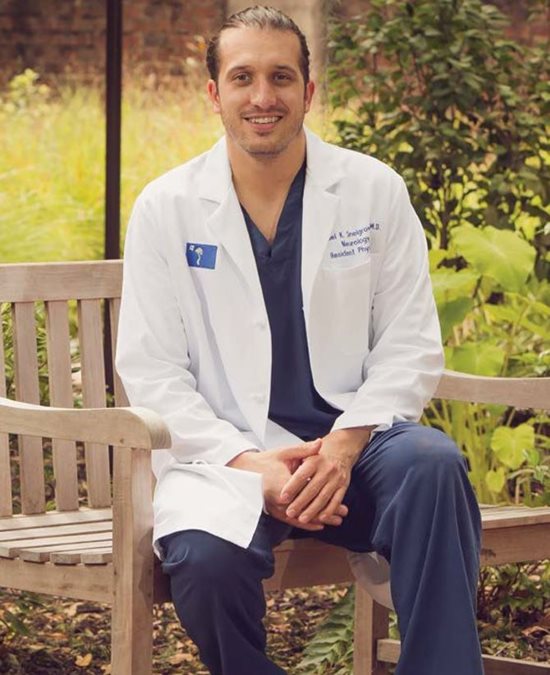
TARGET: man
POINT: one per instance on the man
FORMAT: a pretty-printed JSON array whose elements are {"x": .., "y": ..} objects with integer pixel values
[{"x": 277, "y": 312}]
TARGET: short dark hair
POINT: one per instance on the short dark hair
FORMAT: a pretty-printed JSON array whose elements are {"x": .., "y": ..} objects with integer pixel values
[{"x": 257, "y": 17}]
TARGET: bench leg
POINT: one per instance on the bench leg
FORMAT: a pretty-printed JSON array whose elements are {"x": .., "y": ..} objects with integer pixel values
[
  {"x": 371, "y": 625},
  {"x": 133, "y": 563}
]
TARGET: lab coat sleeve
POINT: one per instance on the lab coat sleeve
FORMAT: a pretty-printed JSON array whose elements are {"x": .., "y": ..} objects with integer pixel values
[
  {"x": 152, "y": 355},
  {"x": 405, "y": 359}
]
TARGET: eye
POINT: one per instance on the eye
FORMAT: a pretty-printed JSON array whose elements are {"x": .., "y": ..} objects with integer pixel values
[
  {"x": 282, "y": 77},
  {"x": 242, "y": 78}
]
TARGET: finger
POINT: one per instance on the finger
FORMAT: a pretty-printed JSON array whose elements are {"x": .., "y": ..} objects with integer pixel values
[
  {"x": 281, "y": 515},
  {"x": 300, "y": 451},
  {"x": 297, "y": 482},
  {"x": 295, "y": 485},
  {"x": 333, "y": 521},
  {"x": 314, "y": 509},
  {"x": 334, "y": 506},
  {"x": 342, "y": 510},
  {"x": 322, "y": 480}
]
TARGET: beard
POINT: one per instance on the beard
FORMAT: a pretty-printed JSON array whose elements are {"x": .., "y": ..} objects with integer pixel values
[{"x": 259, "y": 147}]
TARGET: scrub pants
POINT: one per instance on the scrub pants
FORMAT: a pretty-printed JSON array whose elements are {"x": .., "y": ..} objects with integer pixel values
[{"x": 410, "y": 500}]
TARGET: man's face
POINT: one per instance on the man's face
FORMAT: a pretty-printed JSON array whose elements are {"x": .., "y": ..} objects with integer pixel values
[{"x": 260, "y": 93}]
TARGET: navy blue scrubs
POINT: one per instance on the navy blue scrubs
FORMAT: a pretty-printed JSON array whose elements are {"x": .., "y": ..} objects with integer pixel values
[
  {"x": 409, "y": 499},
  {"x": 294, "y": 402}
]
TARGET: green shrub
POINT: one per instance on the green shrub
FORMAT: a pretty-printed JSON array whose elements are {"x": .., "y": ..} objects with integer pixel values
[{"x": 434, "y": 89}]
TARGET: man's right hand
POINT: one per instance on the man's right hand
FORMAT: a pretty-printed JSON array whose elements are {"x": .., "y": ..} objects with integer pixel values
[{"x": 276, "y": 467}]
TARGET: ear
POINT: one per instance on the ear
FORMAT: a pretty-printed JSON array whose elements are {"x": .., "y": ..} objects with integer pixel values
[
  {"x": 308, "y": 97},
  {"x": 212, "y": 91}
]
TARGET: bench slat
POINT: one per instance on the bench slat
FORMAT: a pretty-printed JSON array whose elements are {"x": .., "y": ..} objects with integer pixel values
[
  {"x": 61, "y": 395},
  {"x": 93, "y": 389},
  {"x": 29, "y": 282},
  {"x": 510, "y": 516},
  {"x": 31, "y": 461},
  {"x": 5, "y": 468},
  {"x": 67, "y": 543},
  {"x": 43, "y": 553},
  {"x": 121, "y": 399},
  {"x": 96, "y": 556},
  {"x": 389, "y": 651},
  {"x": 56, "y": 530},
  {"x": 54, "y": 518}
]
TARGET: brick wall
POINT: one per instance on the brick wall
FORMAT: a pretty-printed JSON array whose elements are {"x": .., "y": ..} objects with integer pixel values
[{"x": 68, "y": 38}]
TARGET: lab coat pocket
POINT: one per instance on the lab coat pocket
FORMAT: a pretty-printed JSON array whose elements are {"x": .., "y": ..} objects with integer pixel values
[{"x": 346, "y": 296}]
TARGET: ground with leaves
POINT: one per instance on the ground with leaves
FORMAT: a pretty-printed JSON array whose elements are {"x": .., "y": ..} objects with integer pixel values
[
  {"x": 72, "y": 638},
  {"x": 45, "y": 636}
]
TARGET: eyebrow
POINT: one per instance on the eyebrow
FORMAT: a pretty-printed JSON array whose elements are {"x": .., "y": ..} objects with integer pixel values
[{"x": 237, "y": 68}]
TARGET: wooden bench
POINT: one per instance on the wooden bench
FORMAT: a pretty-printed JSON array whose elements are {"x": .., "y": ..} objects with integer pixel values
[{"x": 91, "y": 538}]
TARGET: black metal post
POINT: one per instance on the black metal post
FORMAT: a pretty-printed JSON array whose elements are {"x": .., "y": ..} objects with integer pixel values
[
  {"x": 113, "y": 98},
  {"x": 113, "y": 114}
]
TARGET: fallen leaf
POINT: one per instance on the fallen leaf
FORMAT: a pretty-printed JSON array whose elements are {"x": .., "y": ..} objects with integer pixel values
[
  {"x": 83, "y": 661},
  {"x": 180, "y": 658}
]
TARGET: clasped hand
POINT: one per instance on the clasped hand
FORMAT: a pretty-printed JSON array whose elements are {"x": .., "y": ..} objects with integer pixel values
[{"x": 302, "y": 486}]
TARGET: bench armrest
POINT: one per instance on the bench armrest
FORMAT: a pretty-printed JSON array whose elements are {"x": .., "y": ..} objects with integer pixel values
[
  {"x": 128, "y": 427},
  {"x": 520, "y": 392}
]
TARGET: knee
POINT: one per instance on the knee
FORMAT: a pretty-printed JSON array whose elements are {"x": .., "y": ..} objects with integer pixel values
[
  {"x": 429, "y": 452},
  {"x": 433, "y": 447},
  {"x": 199, "y": 556}
]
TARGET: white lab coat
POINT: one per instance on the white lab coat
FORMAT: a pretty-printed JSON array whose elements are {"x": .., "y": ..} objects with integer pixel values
[{"x": 194, "y": 343}]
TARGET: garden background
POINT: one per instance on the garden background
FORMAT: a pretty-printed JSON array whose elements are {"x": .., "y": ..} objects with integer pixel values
[{"x": 436, "y": 89}]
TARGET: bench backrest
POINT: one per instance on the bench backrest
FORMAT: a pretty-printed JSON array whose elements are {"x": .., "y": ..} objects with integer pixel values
[{"x": 69, "y": 300}]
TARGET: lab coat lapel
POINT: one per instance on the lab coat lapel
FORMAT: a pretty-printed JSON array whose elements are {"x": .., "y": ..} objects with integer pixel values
[
  {"x": 250, "y": 378},
  {"x": 320, "y": 209},
  {"x": 226, "y": 222}
]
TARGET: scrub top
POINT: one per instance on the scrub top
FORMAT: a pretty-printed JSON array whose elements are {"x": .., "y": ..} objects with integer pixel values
[{"x": 294, "y": 402}]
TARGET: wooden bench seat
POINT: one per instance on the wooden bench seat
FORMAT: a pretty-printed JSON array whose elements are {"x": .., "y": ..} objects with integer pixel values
[
  {"x": 102, "y": 552},
  {"x": 86, "y": 536}
]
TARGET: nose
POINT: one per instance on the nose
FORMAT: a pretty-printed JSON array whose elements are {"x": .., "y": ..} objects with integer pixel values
[{"x": 263, "y": 94}]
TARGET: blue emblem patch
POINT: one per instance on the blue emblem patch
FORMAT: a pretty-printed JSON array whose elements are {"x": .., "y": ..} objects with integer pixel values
[{"x": 201, "y": 255}]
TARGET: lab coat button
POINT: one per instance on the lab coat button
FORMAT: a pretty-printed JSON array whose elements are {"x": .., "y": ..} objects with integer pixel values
[
  {"x": 260, "y": 398},
  {"x": 261, "y": 324}
]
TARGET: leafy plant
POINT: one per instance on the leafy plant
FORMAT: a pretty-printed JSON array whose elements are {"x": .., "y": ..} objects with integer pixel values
[
  {"x": 330, "y": 652},
  {"x": 433, "y": 88},
  {"x": 494, "y": 315}
]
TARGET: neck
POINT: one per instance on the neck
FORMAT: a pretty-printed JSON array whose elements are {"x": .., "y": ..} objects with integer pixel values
[{"x": 265, "y": 174}]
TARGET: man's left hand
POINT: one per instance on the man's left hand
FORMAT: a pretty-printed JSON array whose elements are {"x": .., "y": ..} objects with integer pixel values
[{"x": 317, "y": 488}]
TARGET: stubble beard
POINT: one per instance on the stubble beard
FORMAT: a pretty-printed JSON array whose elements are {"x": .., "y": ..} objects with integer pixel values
[{"x": 261, "y": 152}]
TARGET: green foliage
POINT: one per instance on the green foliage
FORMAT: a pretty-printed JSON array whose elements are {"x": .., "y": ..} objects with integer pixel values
[
  {"x": 13, "y": 618},
  {"x": 502, "y": 255},
  {"x": 25, "y": 94},
  {"x": 494, "y": 315},
  {"x": 433, "y": 88},
  {"x": 512, "y": 595},
  {"x": 330, "y": 652},
  {"x": 52, "y": 164},
  {"x": 6, "y": 330}
]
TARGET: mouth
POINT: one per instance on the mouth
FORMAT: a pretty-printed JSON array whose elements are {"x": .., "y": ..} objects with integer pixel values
[{"x": 263, "y": 122}]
